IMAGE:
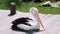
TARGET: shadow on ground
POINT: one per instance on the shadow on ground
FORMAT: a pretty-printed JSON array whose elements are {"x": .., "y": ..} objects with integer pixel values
[
  {"x": 11, "y": 14},
  {"x": 27, "y": 32},
  {"x": 32, "y": 32}
]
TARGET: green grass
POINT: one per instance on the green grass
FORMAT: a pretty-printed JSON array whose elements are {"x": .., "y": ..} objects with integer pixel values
[
  {"x": 24, "y": 7},
  {"x": 46, "y": 10},
  {"x": 49, "y": 10}
]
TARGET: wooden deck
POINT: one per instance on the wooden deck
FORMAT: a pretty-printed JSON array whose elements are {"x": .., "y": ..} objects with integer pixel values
[{"x": 50, "y": 22}]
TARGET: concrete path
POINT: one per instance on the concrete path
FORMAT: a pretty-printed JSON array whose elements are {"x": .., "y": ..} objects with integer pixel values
[{"x": 50, "y": 22}]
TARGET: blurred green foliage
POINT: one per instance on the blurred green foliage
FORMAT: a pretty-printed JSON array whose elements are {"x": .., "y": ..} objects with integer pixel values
[{"x": 24, "y": 6}]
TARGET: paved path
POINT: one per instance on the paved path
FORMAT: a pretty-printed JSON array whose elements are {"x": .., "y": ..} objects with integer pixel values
[{"x": 50, "y": 22}]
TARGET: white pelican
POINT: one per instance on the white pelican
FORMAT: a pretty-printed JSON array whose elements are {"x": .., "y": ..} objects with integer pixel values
[{"x": 26, "y": 23}]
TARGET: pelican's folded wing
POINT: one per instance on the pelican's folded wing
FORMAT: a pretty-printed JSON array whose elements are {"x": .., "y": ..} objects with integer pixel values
[{"x": 24, "y": 27}]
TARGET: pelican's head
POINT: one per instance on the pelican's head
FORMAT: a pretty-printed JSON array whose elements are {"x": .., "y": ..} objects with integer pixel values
[{"x": 33, "y": 10}]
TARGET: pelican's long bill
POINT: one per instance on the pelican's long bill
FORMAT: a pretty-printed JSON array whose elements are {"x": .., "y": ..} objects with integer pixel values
[{"x": 38, "y": 19}]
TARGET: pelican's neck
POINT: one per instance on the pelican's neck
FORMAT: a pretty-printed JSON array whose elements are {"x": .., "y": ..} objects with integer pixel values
[
  {"x": 36, "y": 16},
  {"x": 34, "y": 12}
]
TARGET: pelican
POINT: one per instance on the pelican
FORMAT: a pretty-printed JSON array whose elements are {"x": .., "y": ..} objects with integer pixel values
[{"x": 26, "y": 23}]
